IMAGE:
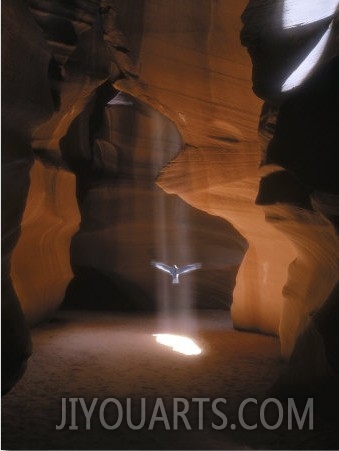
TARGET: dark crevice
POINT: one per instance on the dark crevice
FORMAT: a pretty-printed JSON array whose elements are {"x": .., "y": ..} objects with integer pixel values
[{"x": 55, "y": 77}]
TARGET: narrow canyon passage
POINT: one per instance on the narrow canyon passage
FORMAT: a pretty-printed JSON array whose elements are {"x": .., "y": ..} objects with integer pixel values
[
  {"x": 170, "y": 167},
  {"x": 105, "y": 355}
]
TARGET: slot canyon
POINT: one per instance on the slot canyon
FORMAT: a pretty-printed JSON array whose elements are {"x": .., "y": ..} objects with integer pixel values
[{"x": 170, "y": 169}]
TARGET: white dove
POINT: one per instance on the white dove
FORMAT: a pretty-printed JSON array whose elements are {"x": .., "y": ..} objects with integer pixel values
[{"x": 175, "y": 270}]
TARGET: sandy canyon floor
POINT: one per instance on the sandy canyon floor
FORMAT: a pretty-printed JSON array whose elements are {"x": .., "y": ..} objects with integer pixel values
[{"x": 104, "y": 355}]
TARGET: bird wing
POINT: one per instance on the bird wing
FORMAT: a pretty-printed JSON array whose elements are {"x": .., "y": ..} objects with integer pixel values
[
  {"x": 188, "y": 268},
  {"x": 162, "y": 266}
]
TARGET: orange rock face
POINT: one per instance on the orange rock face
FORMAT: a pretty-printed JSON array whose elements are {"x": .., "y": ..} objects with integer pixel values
[
  {"x": 128, "y": 221},
  {"x": 40, "y": 266},
  {"x": 199, "y": 72},
  {"x": 142, "y": 115},
  {"x": 48, "y": 80}
]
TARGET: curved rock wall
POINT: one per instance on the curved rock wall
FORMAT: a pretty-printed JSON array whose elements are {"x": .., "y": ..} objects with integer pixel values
[
  {"x": 198, "y": 78},
  {"x": 299, "y": 186},
  {"x": 181, "y": 104},
  {"x": 23, "y": 102},
  {"x": 55, "y": 56},
  {"x": 40, "y": 266},
  {"x": 71, "y": 61},
  {"x": 197, "y": 71},
  {"x": 128, "y": 221}
]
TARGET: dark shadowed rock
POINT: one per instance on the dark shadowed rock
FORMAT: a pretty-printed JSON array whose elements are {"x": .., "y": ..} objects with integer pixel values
[
  {"x": 137, "y": 120},
  {"x": 313, "y": 369},
  {"x": 54, "y": 58},
  {"x": 128, "y": 221}
]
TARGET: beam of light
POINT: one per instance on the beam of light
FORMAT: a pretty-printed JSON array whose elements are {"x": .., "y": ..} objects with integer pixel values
[
  {"x": 120, "y": 99},
  {"x": 302, "y": 71},
  {"x": 303, "y": 12},
  {"x": 178, "y": 343}
]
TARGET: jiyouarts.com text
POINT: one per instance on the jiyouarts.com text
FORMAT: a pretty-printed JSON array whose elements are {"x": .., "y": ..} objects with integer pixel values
[{"x": 78, "y": 413}]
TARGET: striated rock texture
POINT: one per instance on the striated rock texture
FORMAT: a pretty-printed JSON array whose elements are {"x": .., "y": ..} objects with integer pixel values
[
  {"x": 299, "y": 190},
  {"x": 40, "y": 266},
  {"x": 67, "y": 52},
  {"x": 191, "y": 60},
  {"x": 128, "y": 221},
  {"x": 20, "y": 100},
  {"x": 55, "y": 56},
  {"x": 140, "y": 114},
  {"x": 291, "y": 264}
]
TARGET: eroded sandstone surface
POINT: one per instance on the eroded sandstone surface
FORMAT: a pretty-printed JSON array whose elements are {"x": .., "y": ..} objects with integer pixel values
[{"x": 134, "y": 124}]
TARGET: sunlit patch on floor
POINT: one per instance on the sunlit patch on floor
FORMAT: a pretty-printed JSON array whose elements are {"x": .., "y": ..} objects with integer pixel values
[{"x": 179, "y": 343}]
